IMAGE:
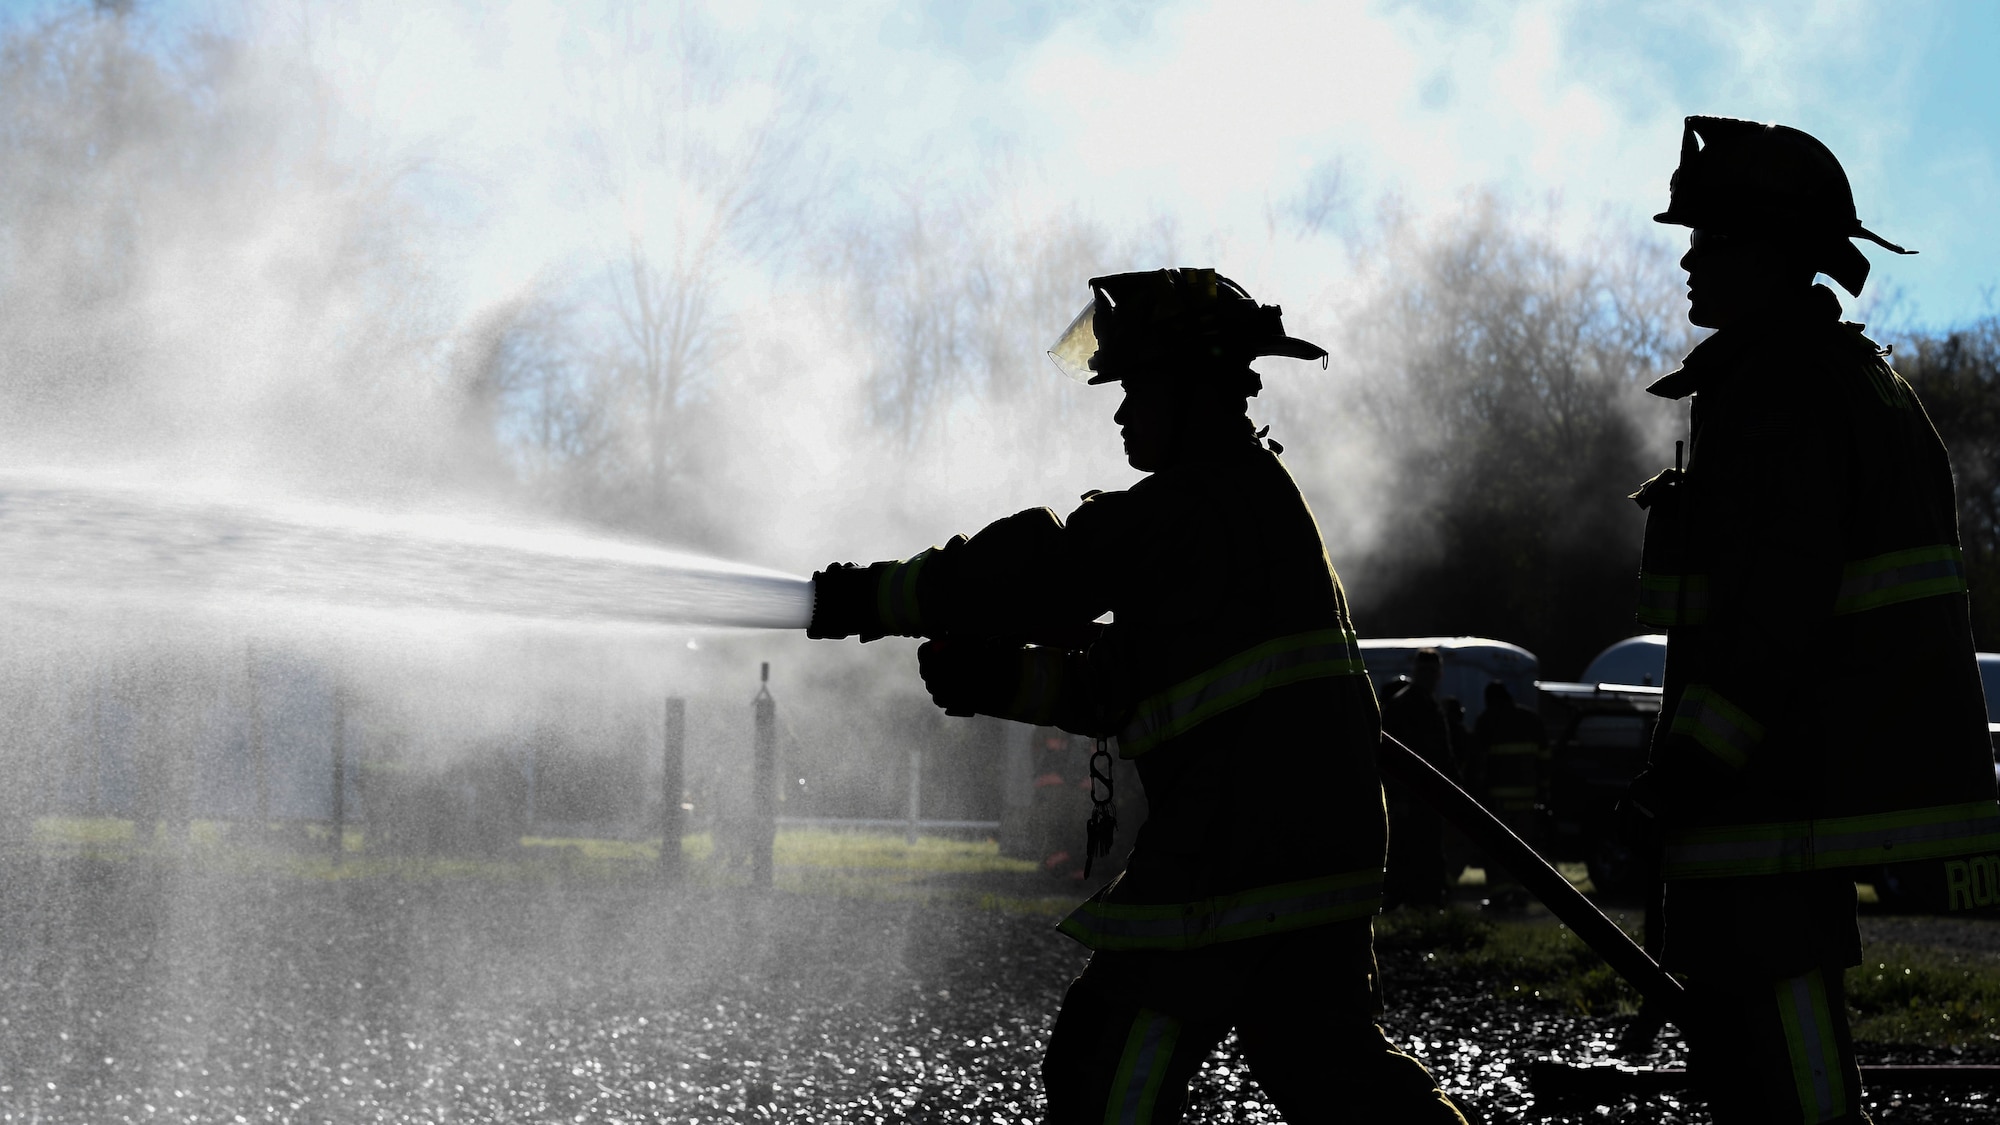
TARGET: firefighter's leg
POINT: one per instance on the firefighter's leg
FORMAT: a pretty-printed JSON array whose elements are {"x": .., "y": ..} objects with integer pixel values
[
  {"x": 1315, "y": 1070},
  {"x": 1308, "y": 1031},
  {"x": 1767, "y": 1020},
  {"x": 1767, "y": 1050},
  {"x": 1113, "y": 1060}
]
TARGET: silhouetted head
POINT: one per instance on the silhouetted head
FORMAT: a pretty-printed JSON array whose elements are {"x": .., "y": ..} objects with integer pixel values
[
  {"x": 1770, "y": 207},
  {"x": 1181, "y": 342},
  {"x": 1498, "y": 698},
  {"x": 1427, "y": 670}
]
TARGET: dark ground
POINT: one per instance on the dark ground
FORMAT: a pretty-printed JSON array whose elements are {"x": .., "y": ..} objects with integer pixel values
[{"x": 130, "y": 993}]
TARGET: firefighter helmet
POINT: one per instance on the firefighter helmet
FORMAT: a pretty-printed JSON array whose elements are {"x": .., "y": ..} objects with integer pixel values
[
  {"x": 1158, "y": 320},
  {"x": 1740, "y": 176}
]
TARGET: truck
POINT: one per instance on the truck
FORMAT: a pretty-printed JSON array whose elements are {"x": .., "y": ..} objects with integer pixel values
[{"x": 1598, "y": 732}]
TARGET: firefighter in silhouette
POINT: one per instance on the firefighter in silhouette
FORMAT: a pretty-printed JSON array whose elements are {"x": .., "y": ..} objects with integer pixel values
[
  {"x": 1509, "y": 770},
  {"x": 1513, "y": 751},
  {"x": 1815, "y": 515},
  {"x": 1231, "y": 677},
  {"x": 1412, "y": 714}
]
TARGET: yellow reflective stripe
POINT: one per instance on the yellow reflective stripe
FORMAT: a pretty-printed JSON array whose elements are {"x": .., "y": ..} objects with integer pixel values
[
  {"x": 1812, "y": 1046},
  {"x": 1142, "y": 1068},
  {"x": 1254, "y": 913},
  {"x": 1238, "y": 680},
  {"x": 1830, "y": 843},
  {"x": 1719, "y": 726},
  {"x": 1040, "y": 687},
  {"x": 1672, "y": 599},
  {"x": 896, "y": 596},
  {"x": 1900, "y": 576}
]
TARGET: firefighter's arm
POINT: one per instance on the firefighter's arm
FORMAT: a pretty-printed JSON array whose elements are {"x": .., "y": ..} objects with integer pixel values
[
  {"x": 1077, "y": 679},
  {"x": 1011, "y": 579},
  {"x": 1775, "y": 493},
  {"x": 1040, "y": 684}
]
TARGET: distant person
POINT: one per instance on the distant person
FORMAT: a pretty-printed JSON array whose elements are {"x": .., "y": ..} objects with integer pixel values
[
  {"x": 1412, "y": 714},
  {"x": 1815, "y": 517},
  {"x": 1510, "y": 775},
  {"x": 1231, "y": 676},
  {"x": 1455, "y": 729},
  {"x": 1512, "y": 748}
]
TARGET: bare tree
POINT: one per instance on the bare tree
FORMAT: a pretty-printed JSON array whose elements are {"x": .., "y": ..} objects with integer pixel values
[
  {"x": 959, "y": 298},
  {"x": 1956, "y": 373},
  {"x": 1493, "y": 378},
  {"x": 709, "y": 150}
]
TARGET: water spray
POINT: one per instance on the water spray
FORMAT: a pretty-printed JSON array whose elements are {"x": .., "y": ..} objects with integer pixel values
[{"x": 77, "y": 542}]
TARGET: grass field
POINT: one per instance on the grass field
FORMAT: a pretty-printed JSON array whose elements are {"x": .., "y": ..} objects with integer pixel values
[
  {"x": 1903, "y": 994},
  {"x": 1914, "y": 994},
  {"x": 1906, "y": 993},
  {"x": 876, "y": 866}
]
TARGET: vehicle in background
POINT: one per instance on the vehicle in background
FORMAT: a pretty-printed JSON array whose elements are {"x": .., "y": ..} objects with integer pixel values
[
  {"x": 1598, "y": 736},
  {"x": 1640, "y": 661},
  {"x": 1470, "y": 663},
  {"x": 1599, "y": 728}
]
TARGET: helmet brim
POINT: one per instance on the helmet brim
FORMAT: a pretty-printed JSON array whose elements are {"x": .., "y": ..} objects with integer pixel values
[
  {"x": 1076, "y": 352},
  {"x": 1294, "y": 348}
]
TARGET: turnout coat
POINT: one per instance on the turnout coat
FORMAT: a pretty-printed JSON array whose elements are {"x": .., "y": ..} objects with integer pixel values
[
  {"x": 1822, "y": 704},
  {"x": 1229, "y": 673}
]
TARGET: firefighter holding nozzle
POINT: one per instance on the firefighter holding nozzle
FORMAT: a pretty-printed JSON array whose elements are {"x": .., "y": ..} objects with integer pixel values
[
  {"x": 1815, "y": 516},
  {"x": 1230, "y": 675}
]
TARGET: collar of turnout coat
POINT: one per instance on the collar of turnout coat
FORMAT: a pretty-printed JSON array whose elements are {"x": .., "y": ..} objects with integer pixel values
[{"x": 1716, "y": 353}]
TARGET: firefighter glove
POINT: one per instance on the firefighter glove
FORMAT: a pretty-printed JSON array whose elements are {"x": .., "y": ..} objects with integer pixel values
[{"x": 968, "y": 676}]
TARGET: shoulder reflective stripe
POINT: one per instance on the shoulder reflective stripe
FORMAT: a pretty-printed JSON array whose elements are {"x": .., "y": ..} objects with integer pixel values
[
  {"x": 1238, "y": 680},
  {"x": 1900, "y": 576},
  {"x": 1673, "y": 599},
  {"x": 1938, "y": 832},
  {"x": 1722, "y": 728},
  {"x": 896, "y": 596},
  {"x": 1192, "y": 925},
  {"x": 1811, "y": 1042},
  {"x": 1501, "y": 749},
  {"x": 1136, "y": 1087}
]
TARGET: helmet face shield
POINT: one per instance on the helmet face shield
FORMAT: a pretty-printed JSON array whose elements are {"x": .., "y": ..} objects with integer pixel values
[{"x": 1078, "y": 342}]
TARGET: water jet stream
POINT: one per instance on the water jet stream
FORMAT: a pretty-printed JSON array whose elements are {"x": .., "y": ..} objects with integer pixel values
[{"x": 73, "y": 542}]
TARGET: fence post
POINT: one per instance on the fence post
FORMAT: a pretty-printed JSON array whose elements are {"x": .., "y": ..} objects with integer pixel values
[
  {"x": 673, "y": 783},
  {"x": 260, "y": 751},
  {"x": 916, "y": 794},
  {"x": 339, "y": 774},
  {"x": 764, "y": 781}
]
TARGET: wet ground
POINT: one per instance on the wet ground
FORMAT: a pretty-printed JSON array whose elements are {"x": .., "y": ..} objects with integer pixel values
[{"x": 131, "y": 993}]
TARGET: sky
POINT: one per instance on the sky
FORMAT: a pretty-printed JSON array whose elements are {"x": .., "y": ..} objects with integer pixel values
[
  {"x": 1210, "y": 112},
  {"x": 1213, "y": 117}
]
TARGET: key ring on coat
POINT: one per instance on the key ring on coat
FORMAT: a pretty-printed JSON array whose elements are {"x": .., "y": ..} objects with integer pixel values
[{"x": 1100, "y": 776}]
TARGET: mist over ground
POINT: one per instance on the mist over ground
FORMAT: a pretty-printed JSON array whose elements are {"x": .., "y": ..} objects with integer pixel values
[{"x": 603, "y": 284}]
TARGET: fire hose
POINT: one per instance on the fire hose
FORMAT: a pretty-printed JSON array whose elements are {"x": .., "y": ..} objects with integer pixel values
[
  {"x": 1561, "y": 1081},
  {"x": 1544, "y": 882}
]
